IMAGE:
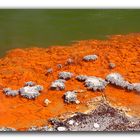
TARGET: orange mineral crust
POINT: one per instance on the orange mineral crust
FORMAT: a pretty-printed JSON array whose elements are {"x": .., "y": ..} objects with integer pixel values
[{"x": 31, "y": 64}]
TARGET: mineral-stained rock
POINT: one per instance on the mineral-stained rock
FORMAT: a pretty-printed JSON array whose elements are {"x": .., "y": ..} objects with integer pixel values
[
  {"x": 90, "y": 57},
  {"x": 47, "y": 102},
  {"x": 58, "y": 84},
  {"x": 95, "y": 83},
  {"x": 70, "y": 97},
  {"x": 118, "y": 80},
  {"x": 10, "y": 92},
  {"x": 114, "y": 78},
  {"x": 129, "y": 86},
  {"x": 65, "y": 75},
  {"x": 29, "y": 92}
]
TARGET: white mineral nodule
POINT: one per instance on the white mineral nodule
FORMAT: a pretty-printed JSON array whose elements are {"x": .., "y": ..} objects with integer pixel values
[
  {"x": 77, "y": 102},
  {"x": 71, "y": 122},
  {"x": 65, "y": 75},
  {"x": 130, "y": 86},
  {"x": 96, "y": 125},
  {"x": 90, "y": 57},
  {"x": 61, "y": 128},
  {"x": 118, "y": 80},
  {"x": 58, "y": 84},
  {"x": 47, "y": 101},
  {"x": 30, "y": 92},
  {"x": 10, "y": 92},
  {"x": 113, "y": 77},
  {"x": 95, "y": 83},
  {"x": 70, "y": 97}
]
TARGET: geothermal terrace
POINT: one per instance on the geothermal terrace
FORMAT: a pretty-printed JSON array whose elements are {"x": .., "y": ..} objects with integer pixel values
[{"x": 40, "y": 84}]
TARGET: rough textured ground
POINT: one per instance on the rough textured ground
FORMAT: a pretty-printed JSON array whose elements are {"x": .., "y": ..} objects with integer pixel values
[
  {"x": 103, "y": 118},
  {"x": 22, "y": 65}
]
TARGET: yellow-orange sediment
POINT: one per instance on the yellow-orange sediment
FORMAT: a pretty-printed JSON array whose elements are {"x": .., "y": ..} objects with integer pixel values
[{"x": 31, "y": 64}]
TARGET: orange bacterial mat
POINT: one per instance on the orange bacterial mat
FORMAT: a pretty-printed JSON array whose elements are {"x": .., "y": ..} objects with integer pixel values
[{"x": 31, "y": 64}]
